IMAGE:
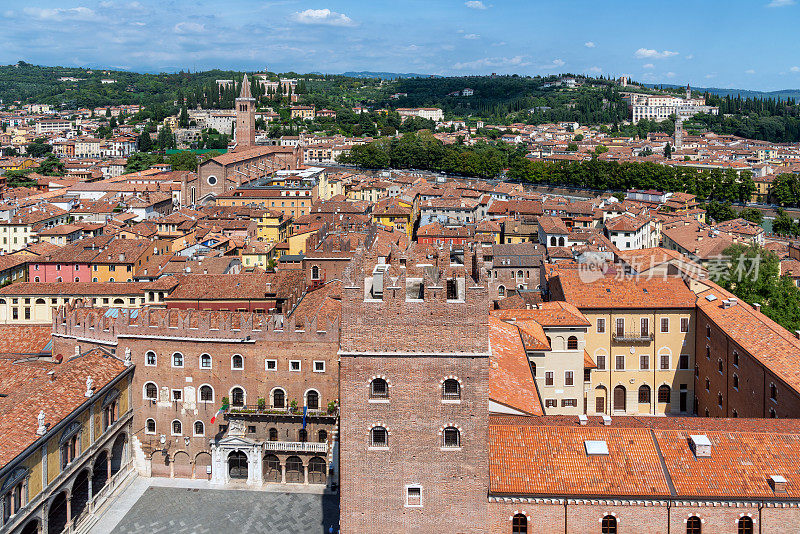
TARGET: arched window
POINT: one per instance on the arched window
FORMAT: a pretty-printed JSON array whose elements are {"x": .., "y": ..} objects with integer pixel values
[
  {"x": 302, "y": 435},
  {"x": 379, "y": 437},
  {"x": 150, "y": 358},
  {"x": 177, "y": 428},
  {"x": 735, "y": 381},
  {"x": 560, "y": 241},
  {"x": 278, "y": 398},
  {"x": 315, "y": 272},
  {"x": 644, "y": 394},
  {"x": 451, "y": 389},
  {"x": 773, "y": 392},
  {"x": 205, "y": 361},
  {"x": 572, "y": 343},
  {"x": 206, "y": 393},
  {"x": 519, "y": 274},
  {"x": 708, "y": 332},
  {"x": 745, "y": 525},
  {"x": 237, "y": 362},
  {"x": 552, "y": 240},
  {"x": 379, "y": 389},
  {"x": 323, "y": 436},
  {"x": 719, "y": 399},
  {"x": 150, "y": 391},
  {"x": 273, "y": 434},
  {"x": 177, "y": 360},
  {"x": 664, "y": 394},
  {"x": 199, "y": 428},
  {"x": 609, "y": 525},
  {"x": 519, "y": 524},
  {"x": 237, "y": 397},
  {"x": 451, "y": 437},
  {"x": 312, "y": 400},
  {"x": 773, "y": 414},
  {"x": 708, "y": 384},
  {"x": 694, "y": 525},
  {"x": 501, "y": 291},
  {"x": 719, "y": 365},
  {"x": 150, "y": 426}
]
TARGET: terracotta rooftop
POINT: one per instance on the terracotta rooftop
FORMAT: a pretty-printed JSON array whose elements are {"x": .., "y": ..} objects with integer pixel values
[{"x": 510, "y": 380}]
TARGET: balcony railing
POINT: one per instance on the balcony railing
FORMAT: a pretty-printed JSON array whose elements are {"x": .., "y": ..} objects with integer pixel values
[
  {"x": 252, "y": 409},
  {"x": 296, "y": 446},
  {"x": 633, "y": 337}
]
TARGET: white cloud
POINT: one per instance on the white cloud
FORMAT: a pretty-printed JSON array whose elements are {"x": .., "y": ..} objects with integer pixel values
[
  {"x": 595, "y": 70},
  {"x": 649, "y": 53},
  {"x": 750, "y": 71},
  {"x": 475, "y": 4},
  {"x": 648, "y": 66},
  {"x": 781, "y": 3},
  {"x": 690, "y": 56},
  {"x": 189, "y": 27},
  {"x": 558, "y": 63},
  {"x": 516, "y": 61},
  {"x": 471, "y": 36},
  {"x": 795, "y": 69},
  {"x": 589, "y": 44},
  {"x": 501, "y": 43},
  {"x": 324, "y": 17},
  {"x": 73, "y": 13},
  {"x": 670, "y": 74}
]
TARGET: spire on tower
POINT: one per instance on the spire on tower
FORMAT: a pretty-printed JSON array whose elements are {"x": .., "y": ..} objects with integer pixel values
[{"x": 245, "y": 93}]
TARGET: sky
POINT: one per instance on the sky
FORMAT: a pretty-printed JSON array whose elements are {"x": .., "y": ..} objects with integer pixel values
[{"x": 744, "y": 44}]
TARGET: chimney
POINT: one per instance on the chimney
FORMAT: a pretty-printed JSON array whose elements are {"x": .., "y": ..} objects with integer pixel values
[
  {"x": 606, "y": 420},
  {"x": 797, "y": 334},
  {"x": 582, "y": 419},
  {"x": 701, "y": 446},
  {"x": 757, "y": 306},
  {"x": 778, "y": 483}
]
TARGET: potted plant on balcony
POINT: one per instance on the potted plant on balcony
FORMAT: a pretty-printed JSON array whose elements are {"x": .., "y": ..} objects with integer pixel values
[
  {"x": 293, "y": 406},
  {"x": 262, "y": 404},
  {"x": 333, "y": 406}
]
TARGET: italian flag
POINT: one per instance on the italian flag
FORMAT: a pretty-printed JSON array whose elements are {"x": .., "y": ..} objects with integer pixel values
[{"x": 220, "y": 411}]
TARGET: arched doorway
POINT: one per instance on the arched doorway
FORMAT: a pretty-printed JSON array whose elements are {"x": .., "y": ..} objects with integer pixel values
[
  {"x": 201, "y": 464},
  {"x": 159, "y": 464},
  {"x": 272, "y": 468},
  {"x": 600, "y": 400},
  {"x": 181, "y": 465},
  {"x": 118, "y": 453},
  {"x": 80, "y": 493},
  {"x": 32, "y": 527},
  {"x": 316, "y": 471},
  {"x": 99, "y": 472},
  {"x": 237, "y": 465},
  {"x": 619, "y": 399},
  {"x": 294, "y": 469},
  {"x": 57, "y": 514}
]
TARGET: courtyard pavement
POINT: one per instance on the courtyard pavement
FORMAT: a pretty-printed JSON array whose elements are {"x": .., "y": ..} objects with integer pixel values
[{"x": 190, "y": 507}]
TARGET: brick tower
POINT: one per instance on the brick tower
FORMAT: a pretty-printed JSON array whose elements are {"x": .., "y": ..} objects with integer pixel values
[
  {"x": 414, "y": 380},
  {"x": 245, "y": 118}
]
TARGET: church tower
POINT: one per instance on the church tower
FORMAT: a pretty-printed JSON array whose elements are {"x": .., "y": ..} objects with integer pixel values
[
  {"x": 245, "y": 118},
  {"x": 688, "y": 92}
]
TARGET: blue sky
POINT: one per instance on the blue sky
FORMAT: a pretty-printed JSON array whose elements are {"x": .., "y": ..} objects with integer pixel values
[{"x": 750, "y": 44}]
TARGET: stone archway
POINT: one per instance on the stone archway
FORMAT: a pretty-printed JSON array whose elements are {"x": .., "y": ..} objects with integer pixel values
[
  {"x": 99, "y": 472},
  {"x": 181, "y": 465},
  {"x": 79, "y": 493},
  {"x": 31, "y": 527},
  {"x": 118, "y": 453},
  {"x": 201, "y": 464},
  {"x": 238, "y": 466},
  {"x": 294, "y": 470},
  {"x": 317, "y": 471},
  {"x": 58, "y": 514},
  {"x": 272, "y": 469}
]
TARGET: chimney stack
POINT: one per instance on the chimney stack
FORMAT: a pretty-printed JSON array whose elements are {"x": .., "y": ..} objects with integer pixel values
[
  {"x": 778, "y": 483},
  {"x": 701, "y": 446}
]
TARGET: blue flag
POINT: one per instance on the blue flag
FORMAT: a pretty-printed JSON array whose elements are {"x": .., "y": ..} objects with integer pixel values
[{"x": 305, "y": 413}]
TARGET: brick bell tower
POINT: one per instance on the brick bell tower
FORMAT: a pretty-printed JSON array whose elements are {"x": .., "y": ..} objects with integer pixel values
[{"x": 245, "y": 117}]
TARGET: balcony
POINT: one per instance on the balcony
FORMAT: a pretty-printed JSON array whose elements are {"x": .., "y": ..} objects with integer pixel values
[
  {"x": 633, "y": 337},
  {"x": 296, "y": 446},
  {"x": 266, "y": 412}
]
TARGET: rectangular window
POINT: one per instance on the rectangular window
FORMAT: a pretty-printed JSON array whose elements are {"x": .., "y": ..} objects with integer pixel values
[
  {"x": 177, "y": 394},
  {"x": 271, "y": 365},
  {"x": 319, "y": 366},
  {"x": 620, "y": 327},
  {"x": 601, "y": 326},
  {"x": 569, "y": 378},
  {"x": 550, "y": 403},
  {"x": 644, "y": 361},
  {"x": 294, "y": 365},
  {"x": 645, "y": 327},
  {"x": 664, "y": 325},
  {"x": 620, "y": 363},
  {"x": 601, "y": 362},
  {"x": 548, "y": 378},
  {"x": 414, "y": 496},
  {"x": 683, "y": 361},
  {"x": 684, "y": 324},
  {"x": 665, "y": 361},
  {"x": 571, "y": 403}
]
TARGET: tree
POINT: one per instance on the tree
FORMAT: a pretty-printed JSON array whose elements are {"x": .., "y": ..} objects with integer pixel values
[
  {"x": 183, "y": 120},
  {"x": 51, "y": 166},
  {"x": 165, "y": 138},
  {"x": 600, "y": 149},
  {"x": 144, "y": 143},
  {"x": 720, "y": 211},
  {"x": 140, "y": 161},
  {"x": 184, "y": 160},
  {"x": 38, "y": 148},
  {"x": 572, "y": 147},
  {"x": 783, "y": 224},
  {"x": 668, "y": 151},
  {"x": 578, "y": 138},
  {"x": 753, "y": 215}
]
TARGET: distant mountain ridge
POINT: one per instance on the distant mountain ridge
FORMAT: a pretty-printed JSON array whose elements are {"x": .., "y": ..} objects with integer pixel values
[
  {"x": 782, "y": 94},
  {"x": 386, "y": 75}
]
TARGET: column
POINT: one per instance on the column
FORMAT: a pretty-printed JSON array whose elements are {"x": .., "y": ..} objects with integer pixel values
[
  {"x": 305, "y": 475},
  {"x": 283, "y": 473},
  {"x": 108, "y": 465},
  {"x": 69, "y": 508}
]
